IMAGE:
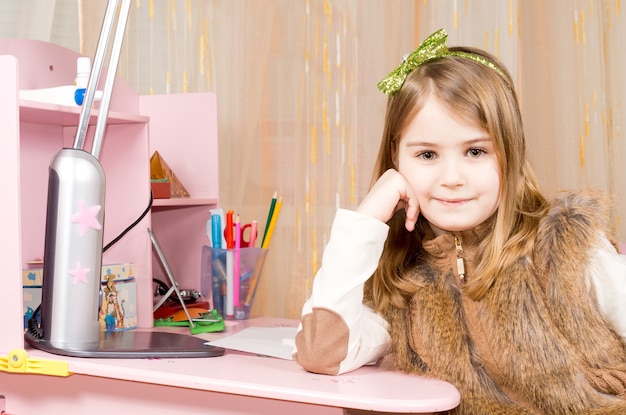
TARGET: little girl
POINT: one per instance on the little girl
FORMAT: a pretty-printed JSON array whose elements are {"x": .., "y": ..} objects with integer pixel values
[{"x": 456, "y": 264}]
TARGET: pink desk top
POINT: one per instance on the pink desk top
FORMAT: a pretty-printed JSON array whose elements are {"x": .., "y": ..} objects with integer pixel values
[{"x": 369, "y": 388}]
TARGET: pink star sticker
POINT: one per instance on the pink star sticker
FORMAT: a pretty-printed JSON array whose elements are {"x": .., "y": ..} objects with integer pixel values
[
  {"x": 86, "y": 217},
  {"x": 79, "y": 274}
]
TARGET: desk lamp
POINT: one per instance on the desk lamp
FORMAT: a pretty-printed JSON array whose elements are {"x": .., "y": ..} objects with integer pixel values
[{"x": 74, "y": 234}]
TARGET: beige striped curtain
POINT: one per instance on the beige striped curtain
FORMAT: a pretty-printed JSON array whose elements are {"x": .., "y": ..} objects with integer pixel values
[{"x": 299, "y": 112}]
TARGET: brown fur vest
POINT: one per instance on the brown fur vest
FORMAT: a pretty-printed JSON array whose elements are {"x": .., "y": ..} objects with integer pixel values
[{"x": 535, "y": 344}]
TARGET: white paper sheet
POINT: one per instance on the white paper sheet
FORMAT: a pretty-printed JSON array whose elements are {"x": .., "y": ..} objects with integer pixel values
[{"x": 269, "y": 341}]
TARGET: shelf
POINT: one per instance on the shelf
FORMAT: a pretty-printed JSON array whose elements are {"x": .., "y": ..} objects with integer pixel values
[
  {"x": 64, "y": 116},
  {"x": 182, "y": 202}
]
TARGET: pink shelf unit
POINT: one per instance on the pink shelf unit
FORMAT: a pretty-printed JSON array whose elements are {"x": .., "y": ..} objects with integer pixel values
[{"x": 32, "y": 133}]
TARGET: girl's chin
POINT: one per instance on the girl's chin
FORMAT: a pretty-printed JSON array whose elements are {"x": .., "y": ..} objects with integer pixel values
[{"x": 441, "y": 228}]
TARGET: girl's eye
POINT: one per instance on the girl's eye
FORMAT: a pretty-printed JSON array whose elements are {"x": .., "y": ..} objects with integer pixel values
[
  {"x": 475, "y": 152},
  {"x": 426, "y": 155}
]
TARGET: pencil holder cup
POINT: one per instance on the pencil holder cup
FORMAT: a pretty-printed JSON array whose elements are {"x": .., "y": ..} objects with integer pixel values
[{"x": 231, "y": 296}]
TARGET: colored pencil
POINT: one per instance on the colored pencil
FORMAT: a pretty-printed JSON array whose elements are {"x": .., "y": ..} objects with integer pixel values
[
  {"x": 269, "y": 217},
  {"x": 266, "y": 241},
  {"x": 276, "y": 212}
]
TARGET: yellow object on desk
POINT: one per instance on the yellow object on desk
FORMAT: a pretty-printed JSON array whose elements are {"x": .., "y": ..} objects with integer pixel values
[{"x": 18, "y": 362}]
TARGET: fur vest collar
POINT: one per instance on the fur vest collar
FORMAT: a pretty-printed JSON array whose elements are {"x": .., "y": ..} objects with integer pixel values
[{"x": 535, "y": 344}]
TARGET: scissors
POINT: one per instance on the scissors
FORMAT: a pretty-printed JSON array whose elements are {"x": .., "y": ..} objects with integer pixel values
[
  {"x": 230, "y": 230},
  {"x": 252, "y": 234}
]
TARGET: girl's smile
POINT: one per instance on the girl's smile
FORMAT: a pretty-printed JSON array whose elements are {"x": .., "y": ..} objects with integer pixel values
[{"x": 452, "y": 202}]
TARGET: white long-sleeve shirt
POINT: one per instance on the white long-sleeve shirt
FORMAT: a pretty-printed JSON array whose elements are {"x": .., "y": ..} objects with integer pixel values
[{"x": 338, "y": 333}]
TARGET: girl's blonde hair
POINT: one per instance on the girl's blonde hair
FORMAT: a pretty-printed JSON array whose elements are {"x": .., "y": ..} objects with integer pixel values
[{"x": 477, "y": 94}]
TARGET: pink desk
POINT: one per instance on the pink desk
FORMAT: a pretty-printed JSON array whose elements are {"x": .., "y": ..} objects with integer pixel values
[{"x": 235, "y": 383}]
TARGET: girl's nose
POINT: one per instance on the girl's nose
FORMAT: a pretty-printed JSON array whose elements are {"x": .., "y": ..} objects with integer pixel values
[{"x": 452, "y": 173}]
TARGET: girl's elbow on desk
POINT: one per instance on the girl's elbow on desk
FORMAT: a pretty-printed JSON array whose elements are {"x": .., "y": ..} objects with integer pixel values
[{"x": 322, "y": 342}]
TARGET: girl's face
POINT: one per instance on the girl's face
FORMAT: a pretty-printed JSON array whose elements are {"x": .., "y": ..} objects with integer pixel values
[{"x": 452, "y": 168}]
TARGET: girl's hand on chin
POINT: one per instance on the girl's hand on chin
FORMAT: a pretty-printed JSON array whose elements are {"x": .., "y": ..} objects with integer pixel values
[{"x": 390, "y": 193}]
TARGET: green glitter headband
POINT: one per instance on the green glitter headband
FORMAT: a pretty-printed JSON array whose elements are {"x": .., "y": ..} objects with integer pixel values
[{"x": 434, "y": 47}]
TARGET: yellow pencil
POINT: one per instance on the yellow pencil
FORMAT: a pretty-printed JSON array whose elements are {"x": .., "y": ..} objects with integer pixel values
[
  {"x": 254, "y": 280},
  {"x": 266, "y": 242},
  {"x": 270, "y": 229}
]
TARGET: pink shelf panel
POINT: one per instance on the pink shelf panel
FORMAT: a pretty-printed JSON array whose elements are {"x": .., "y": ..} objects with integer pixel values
[
  {"x": 209, "y": 201},
  {"x": 45, "y": 113},
  {"x": 183, "y": 129},
  {"x": 10, "y": 243}
]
